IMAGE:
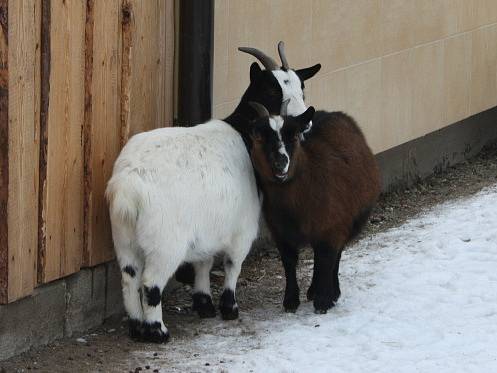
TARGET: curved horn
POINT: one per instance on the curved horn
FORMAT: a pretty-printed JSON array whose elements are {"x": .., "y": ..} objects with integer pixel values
[
  {"x": 259, "y": 108},
  {"x": 267, "y": 61},
  {"x": 284, "y": 107},
  {"x": 281, "y": 52}
]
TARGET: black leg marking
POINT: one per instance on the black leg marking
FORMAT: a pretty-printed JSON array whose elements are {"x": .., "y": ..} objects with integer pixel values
[
  {"x": 289, "y": 257},
  {"x": 130, "y": 270},
  {"x": 135, "y": 328},
  {"x": 152, "y": 332},
  {"x": 202, "y": 303},
  {"x": 152, "y": 295},
  {"x": 325, "y": 259},
  {"x": 228, "y": 306},
  {"x": 336, "y": 283}
]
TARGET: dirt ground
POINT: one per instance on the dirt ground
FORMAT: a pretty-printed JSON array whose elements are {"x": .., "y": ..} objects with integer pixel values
[{"x": 108, "y": 349}]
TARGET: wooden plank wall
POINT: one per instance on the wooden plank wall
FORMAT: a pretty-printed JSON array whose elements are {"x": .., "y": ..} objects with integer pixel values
[
  {"x": 104, "y": 129},
  {"x": 62, "y": 188},
  {"x": 4, "y": 150},
  {"x": 23, "y": 146},
  {"x": 83, "y": 77},
  {"x": 130, "y": 94},
  {"x": 148, "y": 66}
]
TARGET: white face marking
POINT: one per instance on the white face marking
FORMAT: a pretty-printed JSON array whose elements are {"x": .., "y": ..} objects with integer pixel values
[
  {"x": 291, "y": 87},
  {"x": 276, "y": 124}
]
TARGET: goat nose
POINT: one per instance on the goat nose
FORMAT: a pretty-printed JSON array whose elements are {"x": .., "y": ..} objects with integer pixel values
[{"x": 281, "y": 162}]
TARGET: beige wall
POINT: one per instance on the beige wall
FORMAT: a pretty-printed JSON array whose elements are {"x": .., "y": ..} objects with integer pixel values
[{"x": 402, "y": 68}]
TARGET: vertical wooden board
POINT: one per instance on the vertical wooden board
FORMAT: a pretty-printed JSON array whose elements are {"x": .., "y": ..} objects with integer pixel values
[
  {"x": 4, "y": 149},
  {"x": 129, "y": 91},
  {"x": 87, "y": 129},
  {"x": 146, "y": 66},
  {"x": 103, "y": 127},
  {"x": 23, "y": 32},
  {"x": 151, "y": 65},
  {"x": 166, "y": 115},
  {"x": 63, "y": 187}
]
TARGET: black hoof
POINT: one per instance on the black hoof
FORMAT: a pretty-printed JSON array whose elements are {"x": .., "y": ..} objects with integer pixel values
[
  {"x": 135, "y": 328},
  {"x": 153, "y": 333},
  {"x": 228, "y": 306},
  {"x": 229, "y": 313},
  {"x": 291, "y": 304},
  {"x": 320, "y": 312},
  {"x": 202, "y": 303},
  {"x": 322, "y": 304}
]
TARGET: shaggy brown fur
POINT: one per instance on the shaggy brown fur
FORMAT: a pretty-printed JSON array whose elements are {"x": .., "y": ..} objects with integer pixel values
[{"x": 333, "y": 183}]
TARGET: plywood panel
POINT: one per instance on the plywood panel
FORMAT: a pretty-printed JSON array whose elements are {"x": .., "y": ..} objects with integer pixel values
[
  {"x": 62, "y": 195},
  {"x": 103, "y": 126},
  {"x": 23, "y": 153}
]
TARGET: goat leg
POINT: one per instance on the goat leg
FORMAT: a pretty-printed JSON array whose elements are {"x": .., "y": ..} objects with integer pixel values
[
  {"x": 289, "y": 257},
  {"x": 325, "y": 258}
]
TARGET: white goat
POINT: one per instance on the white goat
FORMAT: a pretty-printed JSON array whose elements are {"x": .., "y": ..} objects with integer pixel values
[{"x": 181, "y": 194}]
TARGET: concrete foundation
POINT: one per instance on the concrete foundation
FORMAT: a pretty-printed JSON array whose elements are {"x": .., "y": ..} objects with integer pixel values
[{"x": 60, "y": 309}]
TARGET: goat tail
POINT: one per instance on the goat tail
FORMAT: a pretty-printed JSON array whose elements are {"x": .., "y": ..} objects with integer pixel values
[{"x": 124, "y": 198}]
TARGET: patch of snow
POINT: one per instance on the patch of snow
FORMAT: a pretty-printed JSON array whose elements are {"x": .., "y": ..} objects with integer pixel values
[
  {"x": 418, "y": 298},
  {"x": 81, "y": 340}
]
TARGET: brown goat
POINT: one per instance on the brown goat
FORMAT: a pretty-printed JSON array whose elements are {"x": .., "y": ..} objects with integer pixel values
[{"x": 317, "y": 191}]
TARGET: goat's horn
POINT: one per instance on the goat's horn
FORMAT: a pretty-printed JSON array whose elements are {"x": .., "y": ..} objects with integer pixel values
[
  {"x": 281, "y": 52},
  {"x": 267, "y": 61},
  {"x": 284, "y": 107},
  {"x": 260, "y": 109}
]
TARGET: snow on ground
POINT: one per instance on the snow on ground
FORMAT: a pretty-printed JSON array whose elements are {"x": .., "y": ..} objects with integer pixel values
[{"x": 418, "y": 298}]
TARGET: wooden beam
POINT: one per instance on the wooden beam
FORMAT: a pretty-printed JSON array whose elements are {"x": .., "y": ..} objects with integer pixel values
[
  {"x": 87, "y": 131},
  {"x": 126, "y": 24},
  {"x": 151, "y": 56},
  {"x": 102, "y": 141},
  {"x": 4, "y": 149},
  {"x": 45, "y": 57},
  {"x": 23, "y": 146},
  {"x": 128, "y": 90},
  {"x": 168, "y": 15},
  {"x": 62, "y": 197}
]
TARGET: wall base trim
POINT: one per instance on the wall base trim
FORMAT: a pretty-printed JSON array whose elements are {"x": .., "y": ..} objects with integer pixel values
[{"x": 415, "y": 160}]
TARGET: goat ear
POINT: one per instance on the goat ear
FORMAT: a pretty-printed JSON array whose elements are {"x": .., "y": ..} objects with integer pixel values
[
  {"x": 255, "y": 72},
  {"x": 304, "y": 118},
  {"x": 308, "y": 72},
  {"x": 255, "y": 130}
]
